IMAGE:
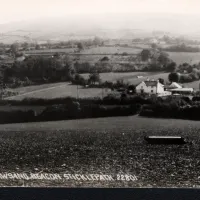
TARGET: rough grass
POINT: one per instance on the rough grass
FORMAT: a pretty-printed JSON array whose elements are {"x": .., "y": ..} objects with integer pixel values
[
  {"x": 59, "y": 90},
  {"x": 107, "y": 146}
]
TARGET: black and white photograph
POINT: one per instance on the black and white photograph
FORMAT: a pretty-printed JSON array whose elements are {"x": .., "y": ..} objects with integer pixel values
[{"x": 100, "y": 93}]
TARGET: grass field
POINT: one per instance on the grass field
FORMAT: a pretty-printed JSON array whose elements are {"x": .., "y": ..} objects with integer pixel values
[
  {"x": 102, "y": 146},
  {"x": 43, "y": 51},
  {"x": 57, "y": 90},
  {"x": 178, "y": 57},
  {"x": 182, "y": 57},
  {"x": 114, "y": 76},
  {"x": 92, "y": 50},
  {"x": 112, "y": 50}
]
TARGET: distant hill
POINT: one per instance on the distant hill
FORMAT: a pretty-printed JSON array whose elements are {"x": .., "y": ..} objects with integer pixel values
[{"x": 107, "y": 26}]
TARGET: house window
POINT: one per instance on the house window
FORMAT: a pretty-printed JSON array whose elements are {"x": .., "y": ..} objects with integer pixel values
[
  {"x": 141, "y": 87},
  {"x": 151, "y": 91}
]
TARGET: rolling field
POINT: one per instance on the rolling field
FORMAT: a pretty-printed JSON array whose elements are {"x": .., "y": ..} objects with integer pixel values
[
  {"x": 178, "y": 57},
  {"x": 43, "y": 51},
  {"x": 113, "y": 59},
  {"x": 182, "y": 57},
  {"x": 114, "y": 76},
  {"x": 57, "y": 90},
  {"x": 112, "y": 50},
  {"x": 92, "y": 50},
  {"x": 102, "y": 146}
]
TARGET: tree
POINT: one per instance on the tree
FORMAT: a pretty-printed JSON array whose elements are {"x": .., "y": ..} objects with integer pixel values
[
  {"x": 174, "y": 77},
  {"x": 162, "y": 81},
  {"x": 37, "y": 47},
  {"x": 185, "y": 78},
  {"x": 145, "y": 54},
  {"x": 171, "y": 67},
  {"x": 78, "y": 79},
  {"x": 94, "y": 78},
  {"x": 163, "y": 58},
  {"x": 97, "y": 41},
  {"x": 80, "y": 46},
  {"x": 104, "y": 59},
  {"x": 69, "y": 67},
  {"x": 25, "y": 45},
  {"x": 131, "y": 89},
  {"x": 70, "y": 71},
  {"x": 14, "y": 48}
]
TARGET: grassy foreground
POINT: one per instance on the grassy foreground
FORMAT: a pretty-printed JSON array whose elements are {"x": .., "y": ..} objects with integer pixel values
[{"x": 104, "y": 145}]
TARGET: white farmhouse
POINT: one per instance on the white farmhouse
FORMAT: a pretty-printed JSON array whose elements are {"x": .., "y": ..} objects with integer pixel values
[{"x": 150, "y": 87}]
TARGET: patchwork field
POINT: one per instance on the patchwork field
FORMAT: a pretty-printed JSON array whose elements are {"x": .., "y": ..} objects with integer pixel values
[
  {"x": 92, "y": 50},
  {"x": 88, "y": 54},
  {"x": 102, "y": 146}
]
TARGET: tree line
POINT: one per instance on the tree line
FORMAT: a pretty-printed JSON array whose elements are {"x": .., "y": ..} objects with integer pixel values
[{"x": 185, "y": 73}]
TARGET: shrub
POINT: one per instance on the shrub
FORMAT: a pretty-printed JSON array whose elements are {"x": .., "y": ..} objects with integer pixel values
[
  {"x": 196, "y": 98},
  {"x": 17, "y": 116},
  {"x": 59, "y": 112},
  {"x": 111, "y": 100}
]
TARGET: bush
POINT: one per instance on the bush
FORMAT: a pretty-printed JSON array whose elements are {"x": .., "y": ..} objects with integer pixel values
[
  {"x": 174, "y": 109},
  {"x": 9, "y": 93},
  {"x": 88, "y": 111},
  {"x": 79, "y": 80},
  {"x": 196, "y": 98},
  {"x": 59, "y": 112},
  {"x": 111, "y": 100},
  {"x": 17, "y": 116}
]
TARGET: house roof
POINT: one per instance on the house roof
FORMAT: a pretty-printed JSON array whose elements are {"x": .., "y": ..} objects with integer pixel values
[
  {"x": 174, "y": 85},
  {"x": 151, "y": 83},
  {"x": 183, "y": 89}
]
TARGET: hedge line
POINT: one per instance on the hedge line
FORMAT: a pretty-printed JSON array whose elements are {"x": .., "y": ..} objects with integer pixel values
[
  {"x": 71, "y": 111},
  {"x": 171, "y": 111},
  {"x": 109, "y": 100}
]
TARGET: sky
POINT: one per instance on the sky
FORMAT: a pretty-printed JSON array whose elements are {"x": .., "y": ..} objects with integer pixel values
[{"x": 17, "y": 10}]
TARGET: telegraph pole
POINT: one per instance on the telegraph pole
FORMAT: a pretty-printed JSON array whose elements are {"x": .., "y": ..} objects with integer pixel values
[
  {"x": 199, "y": 86},
  {"x": 77, "y": 96},
  {"x": 1, "y": 85},
  {"x": 102, "y": 92}
]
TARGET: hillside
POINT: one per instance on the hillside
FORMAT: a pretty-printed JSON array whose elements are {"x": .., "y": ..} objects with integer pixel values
[{"x": 123, "y": 26}]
